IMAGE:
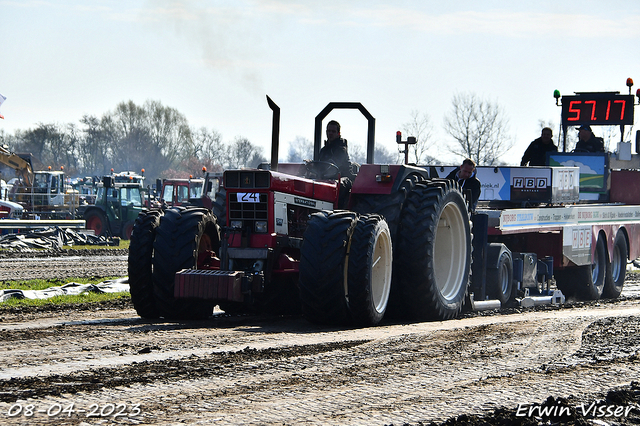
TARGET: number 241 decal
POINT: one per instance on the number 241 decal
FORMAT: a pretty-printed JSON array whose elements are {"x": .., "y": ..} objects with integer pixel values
[{"x": 248, "y": 197}]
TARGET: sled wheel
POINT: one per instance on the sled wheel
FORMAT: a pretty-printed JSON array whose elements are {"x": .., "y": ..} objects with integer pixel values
[
  {"x": 500, "y": 279},
  {"x": 369, "y": 273},
  {"x": 589, "y": 279},
  {"x": 617, "y": 268},
  {"x": 183, "y": 232},
  {"x": 322, "y": 266},
  {"x": 140, "y": 263}
]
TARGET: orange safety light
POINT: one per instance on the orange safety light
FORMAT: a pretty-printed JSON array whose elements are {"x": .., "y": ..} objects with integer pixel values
[
  {"x": 61, "y": 167},
  {"x": 49, "y": 167},
  {"x": 204, "y": 169}
]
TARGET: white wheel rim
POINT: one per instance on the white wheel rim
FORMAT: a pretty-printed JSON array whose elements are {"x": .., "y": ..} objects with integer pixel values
[
  {"x": 450, "y": 252},
  {"x": 381, "y": 270}
]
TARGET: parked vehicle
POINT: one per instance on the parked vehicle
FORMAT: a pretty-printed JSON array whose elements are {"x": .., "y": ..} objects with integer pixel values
[{"x": 115, "y": 210}]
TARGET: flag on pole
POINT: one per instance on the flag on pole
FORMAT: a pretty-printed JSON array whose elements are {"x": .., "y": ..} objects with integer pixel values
[{"x": 2, "y": 99}]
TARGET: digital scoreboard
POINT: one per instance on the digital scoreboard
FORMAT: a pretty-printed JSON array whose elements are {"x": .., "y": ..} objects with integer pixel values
[{"x": 598, "y": 108}]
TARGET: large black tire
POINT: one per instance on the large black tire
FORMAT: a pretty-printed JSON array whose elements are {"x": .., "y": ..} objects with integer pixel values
[
  {"x": 369, "y": 273},
  {"x": 140, "y": 263},
  {"x": 219, "y": 206},
  {"x": 96, "y": 221},
  {"x": 182, "y": 234},
  {"x": 591, "y": 278},
  {"x": 433, "y": 258},
  {"x": 616, "y": 268},
  {"x": 500, "y": 279},
  {"x": 585, "y": 282},
  {"x": 389, "y": 206},
  {"x": 323, "y": 267}
]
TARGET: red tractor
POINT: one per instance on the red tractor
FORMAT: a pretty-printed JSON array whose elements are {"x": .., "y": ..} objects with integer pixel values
[{"x": 403, "y": 245}]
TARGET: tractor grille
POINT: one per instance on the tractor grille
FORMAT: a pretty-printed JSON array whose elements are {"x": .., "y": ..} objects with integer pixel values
[
  {"x": 248, "y": 213},
  {"x": 247, "y": 179}
]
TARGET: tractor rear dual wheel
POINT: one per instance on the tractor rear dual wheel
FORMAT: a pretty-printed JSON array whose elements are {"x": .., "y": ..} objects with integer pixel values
[{"x": 433, "y": 262}]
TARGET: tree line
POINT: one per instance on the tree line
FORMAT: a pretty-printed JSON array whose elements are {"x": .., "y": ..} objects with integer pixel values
[
  {"x": 159, "y": 139},
  {"x": 132, "y": 137}
]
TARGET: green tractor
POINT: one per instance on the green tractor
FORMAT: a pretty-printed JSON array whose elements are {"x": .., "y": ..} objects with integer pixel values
[{"x": 116, "y": 208}]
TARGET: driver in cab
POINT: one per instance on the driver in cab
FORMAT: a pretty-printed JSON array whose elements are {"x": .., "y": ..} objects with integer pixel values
[{"x": 335, "y": 150}]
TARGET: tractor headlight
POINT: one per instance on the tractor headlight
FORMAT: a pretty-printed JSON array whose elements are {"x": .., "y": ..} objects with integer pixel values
[
  {"x": 236, "y": 224},
  {"x": 261, "y": 227}
]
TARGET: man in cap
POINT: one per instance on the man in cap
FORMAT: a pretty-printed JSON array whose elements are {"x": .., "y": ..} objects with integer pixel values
[
  {"x": 588, "y": 142},
  {"x": 536, "y": 153}
]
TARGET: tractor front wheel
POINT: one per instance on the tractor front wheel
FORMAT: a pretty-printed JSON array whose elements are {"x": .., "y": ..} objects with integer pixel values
[
  {"x": 140, "y": 263},
  {"x": 323, "y": 267},
  {"x": 181, "y": 235},
  {"x": 369, "y": 276}
]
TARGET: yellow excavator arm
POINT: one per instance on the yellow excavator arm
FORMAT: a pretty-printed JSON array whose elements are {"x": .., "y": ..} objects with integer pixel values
[{"x": 22, "y": 167}]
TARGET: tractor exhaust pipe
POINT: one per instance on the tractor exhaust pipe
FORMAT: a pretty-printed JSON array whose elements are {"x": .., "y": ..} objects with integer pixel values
[{"x": 275, "y": 133}]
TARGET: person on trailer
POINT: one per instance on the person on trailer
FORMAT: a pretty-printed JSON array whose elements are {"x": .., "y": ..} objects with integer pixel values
[
  {"x": 588, "y": 142},
  {"x": 465, "y": 176},
  {"x": 335, "y": 150},
  {"x": 536, "y": 153}
]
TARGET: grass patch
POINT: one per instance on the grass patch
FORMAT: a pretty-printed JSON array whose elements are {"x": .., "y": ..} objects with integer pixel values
[
  {"x": 85, "y": 298},
  {"x": 54, "y": 282},
  {"x": 89, "y": 297}
]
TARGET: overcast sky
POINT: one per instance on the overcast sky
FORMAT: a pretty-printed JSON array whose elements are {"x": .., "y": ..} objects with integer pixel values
[{"x": 214, "y": 61}]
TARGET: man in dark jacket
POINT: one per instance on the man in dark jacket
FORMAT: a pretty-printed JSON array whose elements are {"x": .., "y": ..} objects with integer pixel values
[
  {"x": 536, "y": 153},
  {"x": 335, "y": 150},
  {"x": 465, "y": 175},
  {"x": 588, "y": 142}
]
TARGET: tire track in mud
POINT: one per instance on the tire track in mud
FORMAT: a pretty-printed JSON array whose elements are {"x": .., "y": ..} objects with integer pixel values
[
  {"x": 255, "y": 370},
  {"x": 388, "y": 374}
]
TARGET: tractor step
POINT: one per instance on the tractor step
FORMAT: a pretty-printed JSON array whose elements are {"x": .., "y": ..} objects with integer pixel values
[{"x": 209, "y": 284}]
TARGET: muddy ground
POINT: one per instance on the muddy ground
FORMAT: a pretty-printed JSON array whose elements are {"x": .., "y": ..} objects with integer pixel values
[{"x": 101, "y": 364}]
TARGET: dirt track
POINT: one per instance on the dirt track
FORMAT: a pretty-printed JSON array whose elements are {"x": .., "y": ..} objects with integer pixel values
[{"x": 231, "y": 370}]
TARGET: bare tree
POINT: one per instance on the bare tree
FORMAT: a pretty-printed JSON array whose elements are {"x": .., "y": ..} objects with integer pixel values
[
  {"x": 419, "y": 126},
  {"x": 207, "y": 145},
  {"x": 242, "y": 153},
  {"x": 300, "y": 149},
  {"x": 478, "y": 128}
]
